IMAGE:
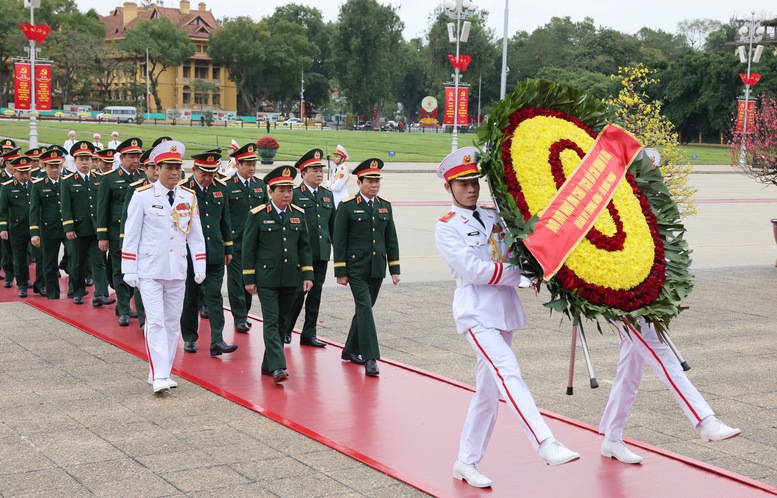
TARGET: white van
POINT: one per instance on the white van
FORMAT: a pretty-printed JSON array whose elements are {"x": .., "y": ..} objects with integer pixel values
[{"x": 122, "y": 114}]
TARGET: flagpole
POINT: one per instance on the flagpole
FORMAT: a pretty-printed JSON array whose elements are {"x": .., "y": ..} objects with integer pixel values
[{"x": 33, "y": 121}]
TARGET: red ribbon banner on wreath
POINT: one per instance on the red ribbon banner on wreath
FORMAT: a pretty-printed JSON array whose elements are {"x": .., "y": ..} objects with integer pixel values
[
  {"x": 36, "y": 33},
  {"x": 751, "y": 80},
  {"x": 462, "y": 63},
  {"x": 582, "y": 198}
]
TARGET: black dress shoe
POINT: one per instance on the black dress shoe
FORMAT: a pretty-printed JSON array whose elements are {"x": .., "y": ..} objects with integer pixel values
[
  {"x": 371, "y": 368},
  {"x": 204, "y": 312},
  {"x": 242, "y": 327},
  {"x": 190, "y": 346},
  {"x": 89, "y": 282},
  {"x": 279, "y": 376},
  {"x": 287, "y": 337},
  {"x": 7, "y": 284},
  {"x": 218, "y": 348},
  {"x": 100, "y": 300},
  {"x": 37, "y": 290},
  {"x": 304, "y": 341},
  {"x": 78, "y": 300},
  {"x": 2, "y": 277},
  {"x": 250, "y": 324},
  {"x": 23, "y": 292},
  {"x": 133, "y": 314},
  {"x": 124, "y": 320},
  {"x": 63, "y": 267},
  {"x": 353, "y": 358}
]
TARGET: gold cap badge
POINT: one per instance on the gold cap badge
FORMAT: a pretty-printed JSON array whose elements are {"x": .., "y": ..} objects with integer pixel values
[{"x": 286, "y": 172}]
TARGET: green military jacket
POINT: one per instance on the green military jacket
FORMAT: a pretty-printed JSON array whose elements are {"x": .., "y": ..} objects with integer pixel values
[
  {"x": 130, "y": 192},
  {"x": 276, "y": 252},
  {"x": 320, "y": 213},
  {"x": 110, "y": 202},
  {"x": 214, "y": 218},
  {"x": 241, "y": 200},
  {"x": 5, "y": 175},
  {"x": 45, "y": 216},
  {"x": 365, "y": 239},
  {"x": 78, "y": 199},
  {"x": 15, "y": 208}
]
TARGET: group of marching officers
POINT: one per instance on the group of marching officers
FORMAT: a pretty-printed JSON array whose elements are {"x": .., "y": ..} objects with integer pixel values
[{"x": 143, "y": 229}]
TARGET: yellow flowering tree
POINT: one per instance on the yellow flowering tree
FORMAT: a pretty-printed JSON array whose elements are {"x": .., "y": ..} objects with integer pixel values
[{"x": 641, "y": 116}]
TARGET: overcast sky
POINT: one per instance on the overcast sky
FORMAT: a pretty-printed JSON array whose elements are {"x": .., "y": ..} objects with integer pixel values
[{"x": 628, "y": 17}]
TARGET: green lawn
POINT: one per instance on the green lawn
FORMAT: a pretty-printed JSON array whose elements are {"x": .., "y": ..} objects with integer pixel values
[{"x": 408, "y": 147}]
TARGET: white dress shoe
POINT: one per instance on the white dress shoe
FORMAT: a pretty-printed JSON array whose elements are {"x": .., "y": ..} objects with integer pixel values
[
  {"x": 555, "y": 453},
  {"x": 712, "y": 429},
  {"x": 525, "y": 283},
  {"x": 467, "y": 472},
  {"x": 160, "y": 385},
  {"x": 619, "y": 451},
  {"x": 171, "y": 383}
]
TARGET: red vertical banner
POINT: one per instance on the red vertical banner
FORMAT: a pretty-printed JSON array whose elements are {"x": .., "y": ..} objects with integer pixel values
[
  {"x": 450, "y": 102},
  {"x": 43, "y": 87},
  {"x": 22, "y": 86},
  {"x": 741, "y": 116},
  {"x": 463, "y": 103}
]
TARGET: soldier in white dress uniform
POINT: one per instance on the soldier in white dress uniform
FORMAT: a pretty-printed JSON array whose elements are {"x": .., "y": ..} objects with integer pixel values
[
  {"x": 338, "y": 176},
  {"x": 640, "y": 346},
  {"x": 69, "y": 161},
  {"x": 162, "y": 219},
  {"x": 486, "y": 309},
  {"x": 114, "y": 144}
]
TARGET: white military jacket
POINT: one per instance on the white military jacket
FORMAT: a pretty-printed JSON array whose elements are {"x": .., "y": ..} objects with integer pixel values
[
  {"x": 485, "y": 294},
  {"x": 338, "y": 182},
  {"x": 156, "y": 234}
]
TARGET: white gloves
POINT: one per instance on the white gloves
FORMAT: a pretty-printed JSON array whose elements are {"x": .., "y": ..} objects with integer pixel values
[
  {"x": 131, "y": 279},
  {"x": 199, "y": 277}
]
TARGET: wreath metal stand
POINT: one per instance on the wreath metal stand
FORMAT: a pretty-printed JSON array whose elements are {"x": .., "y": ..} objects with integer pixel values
[{"x": 577, "y": 331}]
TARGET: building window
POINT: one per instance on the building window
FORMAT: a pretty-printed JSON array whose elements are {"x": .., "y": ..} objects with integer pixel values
[
  {"x": 216, "y": 72},
  {"x": 216, "y": 99},
  {"x": 187, "y": 71},
  {"x": 201, "y": 70},
  {"x": 187, "y": 95}
]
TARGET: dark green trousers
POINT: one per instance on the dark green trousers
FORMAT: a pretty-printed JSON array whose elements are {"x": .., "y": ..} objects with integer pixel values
[
  {"x": 362, "y": 337},
  {"x": 276, "y": 307},
  {"x": 7, "y": 259},
  {"x": 85, "y": 248},
  {"x": 36, "y": 254},
  {"x": 50, "y": 265},
  {"x": 239, "y": 299},
  {"x": 21, "y": 265},
  {"x": 123, "y": 291},
  {"x": 210, "y": 289},
  {"x": 312, "y": 303}
]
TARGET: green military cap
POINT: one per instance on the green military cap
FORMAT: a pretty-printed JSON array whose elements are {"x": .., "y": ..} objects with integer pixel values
[
  {"x": 61, "y": 149},
  {"x": 311, "y": 158},
  {"x": 217, "y": 150},
  {"x": 22, "y": 163},
  {"x": 9, "y": 155},
  {"x": 53, "y": 156},
  {"x": 245, "y": 153},
  {"x": 132, "y": 145},
  {"x": 282, "y": 175},
  {"x": 207, "y": 161},
  {"x": 160, "y": 140},
  {"x": 106, "y": 155},
  {"x": 8, "y": 144},
  {"x": 34, "y": 153},
  {"x": 82, "y": 148},
  {"x": 145, "y": 159},
  {"x": 369, "y": 168}
]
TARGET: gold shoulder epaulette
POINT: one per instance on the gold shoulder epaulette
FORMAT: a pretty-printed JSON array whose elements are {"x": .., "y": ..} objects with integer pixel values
[
  {"x": 68, "y": 176},
  {"x": 145, "y": 187},
  {"x": 189, "y": 190},
  {"x": 384, "y": 199},
  {"x": 184, "y": 181},
  {"x": 349, "y": 199},
  {"x": 137, "y": 182},
  {"x": 9, "y": 181},
  {"x": 324, "y": 188},
  {"x": 258, "y": 208},
  {"x": 111, "y": 171},
  {"x": 447, "y": 217},
  {"x": 221, "y": 181},
  {"x": 298, "y": 208},
  {"x": 36, "y": 180}
]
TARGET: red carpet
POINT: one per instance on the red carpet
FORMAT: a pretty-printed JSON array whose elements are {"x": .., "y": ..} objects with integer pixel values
[{"x": 406, "y": 423}]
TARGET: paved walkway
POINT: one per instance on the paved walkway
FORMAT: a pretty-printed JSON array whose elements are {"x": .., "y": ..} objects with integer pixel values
[{"x": 77, "y": 417}]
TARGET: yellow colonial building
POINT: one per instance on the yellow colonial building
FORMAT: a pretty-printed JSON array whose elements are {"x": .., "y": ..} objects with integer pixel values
[{"x": 175, "y": 83}]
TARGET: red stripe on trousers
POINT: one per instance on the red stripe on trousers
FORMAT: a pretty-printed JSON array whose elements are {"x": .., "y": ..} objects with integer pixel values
[
  {"x": 148, "y": 351},
  {"x": 509, "y": 395},
  {"x": 665, "y": 371}
]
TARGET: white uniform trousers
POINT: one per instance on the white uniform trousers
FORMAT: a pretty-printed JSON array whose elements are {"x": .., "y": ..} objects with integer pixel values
[
  {"x": 497, "y": 373},
  {"x": 163, "y": 300},
  {"x": 339, "y": 195},
  {"x": 636, "y": 349}
]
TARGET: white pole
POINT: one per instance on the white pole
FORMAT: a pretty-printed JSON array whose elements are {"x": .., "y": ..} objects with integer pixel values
[
  {"x": 33, "y": 121},
  {"x": 302, "y": 97},
  {"x": 503, "y": 88},
  {"x": 455, "y": 134},
  {"x": 480, "y": 87},
  {"x": 751, "y": 28},
  {"x": 148, "y": 91}
]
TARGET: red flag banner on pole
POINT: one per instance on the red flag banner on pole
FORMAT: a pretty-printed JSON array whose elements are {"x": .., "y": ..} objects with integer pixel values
[
  {"x": 36, "y": 33},
  {"x": 579, "y": 202},
  {"x": 462, "y": 63},
  {"x": 463, "y": 103},
  {"x": 43, "y": 87},
  {"x": 750, "y": 80},
  {"x": 450, "y": 102},
  {"x": 22, "y": 86},
  {"x": 740, "y": 126}
]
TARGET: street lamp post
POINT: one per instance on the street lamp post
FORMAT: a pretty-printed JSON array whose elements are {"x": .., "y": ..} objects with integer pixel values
[
  {"x": 148, "y": 91},
  {"x": 750, "y": 32},
  {"x": 503, "y": 85},
  {"x": 33, "y": 121},
  {"x": 457, "y": 8}
]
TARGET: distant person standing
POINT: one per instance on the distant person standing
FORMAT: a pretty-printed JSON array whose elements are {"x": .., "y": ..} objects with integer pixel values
[
  {"x": 267, "y": 125},
  {"x": 338, "y": 175},
  {"x": 97, "y": 144},
  {"x": 69, "y": 143},
  {"x": 114, "y": 144}
]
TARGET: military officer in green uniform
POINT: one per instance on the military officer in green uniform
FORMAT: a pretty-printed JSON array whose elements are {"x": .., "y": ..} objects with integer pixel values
[
  {"x": 214, "y": 217},
  {"x": 10, "y": 151},
  {"x": 244, "y": 192},
  {"x": 365, "y": 239},
  {"x": 276, "y": 255},
  {"x": 78, "y": 198},
  {"x": 36, "y": 170},
  {"x": 319, "y": 206},
  {"x": 15, "y": 219},
  {"x": 110, "y": 202}
]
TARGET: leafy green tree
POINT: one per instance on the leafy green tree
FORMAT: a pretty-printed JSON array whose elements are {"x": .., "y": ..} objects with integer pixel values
[
  {"x": 415, "y": 85},
  {"x": 367, "y": 53},
  {"x": 660, "y": 48},
  {"x": 696, "y": 31},
  {"x": 12, "y": 43},
  {"x": 606, "y": 50},
  {"x": 597, "y": 85},
  {"x": 168, "y": 46},
  {"x": 74, "y": 56}
]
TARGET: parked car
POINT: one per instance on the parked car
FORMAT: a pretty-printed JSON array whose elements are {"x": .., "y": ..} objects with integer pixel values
[
  {"x": 390, "y": 125},
  {"x": 291, "y": 122},
  {"x": 363, "y": 125}
]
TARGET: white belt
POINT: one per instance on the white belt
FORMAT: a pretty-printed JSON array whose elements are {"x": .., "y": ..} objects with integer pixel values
[{"x": 461, "y": 282}]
